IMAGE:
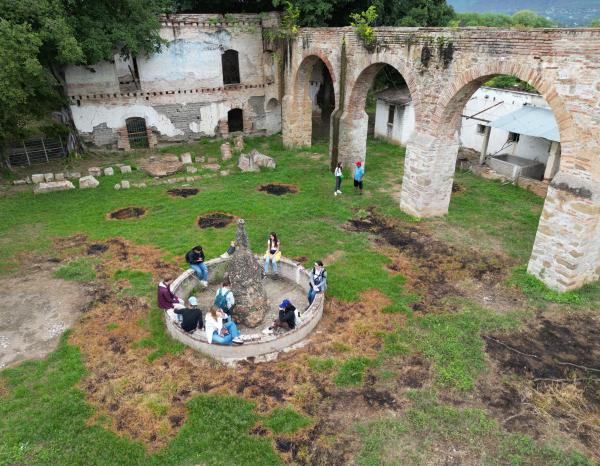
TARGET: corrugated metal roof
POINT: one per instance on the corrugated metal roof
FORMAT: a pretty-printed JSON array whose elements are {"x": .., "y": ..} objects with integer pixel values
[
  {"x": 396, "y": 96},
  {"x": 530, "y": 121}
]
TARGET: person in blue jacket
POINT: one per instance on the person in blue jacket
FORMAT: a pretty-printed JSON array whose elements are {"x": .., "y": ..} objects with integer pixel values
[{"x": 359, "y": 173}]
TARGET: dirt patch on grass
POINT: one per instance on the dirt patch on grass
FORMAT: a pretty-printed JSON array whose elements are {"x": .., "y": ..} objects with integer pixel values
[
  {"x": 278, "y": 189},
  {"x": 333, "y": 257},
  {"x": 215, "y": 220},
  {"x": 183, "y": 192},
  {"x": 127, "y": 213},
  {"x": 35, "y": 310},
  {"x": 433, "y": 267},
  {"x": 560, "y": 361}
]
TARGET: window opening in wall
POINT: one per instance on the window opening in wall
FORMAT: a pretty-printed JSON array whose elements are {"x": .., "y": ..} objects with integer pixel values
[
  {"x": 136, "y": 132},
  {"x": 513, "y": 137},
  {"x": 231, "y": 67},
  {"x": 391, "y": 113},
  {"x": 235, "y": 120},
  {"x": 480, "y": 129},
  {"x": 128, "y": 74}
]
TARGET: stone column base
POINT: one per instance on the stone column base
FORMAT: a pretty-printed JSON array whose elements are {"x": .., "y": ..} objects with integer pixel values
[
  {"x": 566, "y": 251},
  {"x": 352, "y": 145},
  {"x": 428, "y": 175}
]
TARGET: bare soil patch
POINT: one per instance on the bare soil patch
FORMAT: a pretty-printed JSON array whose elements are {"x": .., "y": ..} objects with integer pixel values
[
  {"x": 183, "y": 192},
  {"x": 127, "y": 213},
  {"x": 215, "y": 220},
  {"x": 278, "y": 189},
  {"x": 434, "y": 269},
  {"x": 35, "y": 310},
  {"x": 560, "y": 360}
]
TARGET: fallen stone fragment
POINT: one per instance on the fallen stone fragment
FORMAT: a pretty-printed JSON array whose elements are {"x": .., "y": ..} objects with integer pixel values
[
  {"x": 125, "y": 184},
  {"x": 125, "y": 169},
  {"x": 109, "y": 171},
  {"x": 225, "y": 151},
  {"x": 161, "y": 165},
  {"x": 118, "y": 186},
  {"x": 191, "y": 169},
  {"x": 95, "y": 171},
  {"x": 48, "y": 177},
  {"x": 186, "y": 158},
  {"x": 87, "y": 182},
  {"x": 37, "y": 178},
  {"x": 59, "y": 177},
  {"x": 52, "y": 186}
]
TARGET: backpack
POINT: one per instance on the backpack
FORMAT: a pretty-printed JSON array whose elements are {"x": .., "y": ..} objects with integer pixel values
[{"x": 221, "y": 299}]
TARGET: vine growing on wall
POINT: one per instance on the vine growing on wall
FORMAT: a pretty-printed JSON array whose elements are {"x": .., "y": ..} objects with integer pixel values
[
  {"x": 363, "y": 25},
  {"x": 288, "y": 28}
]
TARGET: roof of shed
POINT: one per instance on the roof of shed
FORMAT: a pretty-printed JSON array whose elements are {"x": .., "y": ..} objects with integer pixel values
[
  {"x": 395, "y": 95},
  {"x": 530, "y": 121}
]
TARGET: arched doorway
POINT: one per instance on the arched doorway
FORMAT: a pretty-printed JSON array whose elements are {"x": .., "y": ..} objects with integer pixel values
[
  {"x": 380, "y": 104},
  {"x": 309, "y": 104},
  {"x": 137, "y": 132},
  {"x": 235, "y": 120}
]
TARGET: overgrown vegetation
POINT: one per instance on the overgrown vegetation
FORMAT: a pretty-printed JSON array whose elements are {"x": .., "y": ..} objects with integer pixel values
[
  {"x": 79, "y": 270},
  {"x": 363, "y": 25},
  {"x": 452, "y": 341},
  {"x": 462, "y": 433}
]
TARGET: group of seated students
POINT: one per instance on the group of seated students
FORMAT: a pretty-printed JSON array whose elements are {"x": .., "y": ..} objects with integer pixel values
[{"x": 218, "y": 323}]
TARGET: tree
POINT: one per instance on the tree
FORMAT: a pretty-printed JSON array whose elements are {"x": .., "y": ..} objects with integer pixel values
[
  {"x": 520, "y": 19},
  {"x": 595, "y": 23},
  {"x": 38, "y": 38}
]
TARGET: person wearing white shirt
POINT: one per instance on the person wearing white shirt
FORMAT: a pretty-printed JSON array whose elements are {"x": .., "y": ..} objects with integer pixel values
[
  {"x": 218, "y": 332},
  {"x": 338, "y": 178}
]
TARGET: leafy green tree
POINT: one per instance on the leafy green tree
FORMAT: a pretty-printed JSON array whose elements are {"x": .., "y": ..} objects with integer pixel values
[
  {"x": 38, "y": 38},
  {"x": 520, "y": 19},
  {"x": 595, "y": 23}
]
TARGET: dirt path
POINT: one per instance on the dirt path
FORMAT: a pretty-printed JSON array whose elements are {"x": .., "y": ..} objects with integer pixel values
[{"x": 35, "y": 310}]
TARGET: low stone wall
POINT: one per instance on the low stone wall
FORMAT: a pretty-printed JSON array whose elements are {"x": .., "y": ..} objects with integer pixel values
[{"x": 257, "y": 347}]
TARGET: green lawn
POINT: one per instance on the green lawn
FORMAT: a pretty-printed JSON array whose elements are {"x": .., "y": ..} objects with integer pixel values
[{"x": 43, "y": 414}]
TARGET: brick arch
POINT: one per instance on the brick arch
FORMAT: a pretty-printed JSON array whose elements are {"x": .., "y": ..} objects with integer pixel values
[
  {"x": 365, "y": 79},
  {"x": 304, "y": 70},
  {"x": 447, "y": 117}
]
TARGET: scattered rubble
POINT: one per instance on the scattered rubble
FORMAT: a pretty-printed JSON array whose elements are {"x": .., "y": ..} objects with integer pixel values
[
  {"x": 253, "y": 161},
  {"x": 161, "y": 165},
  {"x": 52, "y": 186},
  {"x": 88, "y": 182}
]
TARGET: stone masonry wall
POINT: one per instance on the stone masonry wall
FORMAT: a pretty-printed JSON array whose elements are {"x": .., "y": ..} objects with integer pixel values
[{"x": 443, "y": 68}]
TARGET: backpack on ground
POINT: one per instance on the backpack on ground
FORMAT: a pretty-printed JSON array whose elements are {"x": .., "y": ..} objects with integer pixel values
[{"x": 221, "y": 299}]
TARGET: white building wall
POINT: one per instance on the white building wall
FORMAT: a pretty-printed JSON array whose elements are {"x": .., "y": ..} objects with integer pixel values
[
  {"x": 404, "y": 122},
  {"x": 490, "y": 104},
  {"x": 182, "y": 94}
]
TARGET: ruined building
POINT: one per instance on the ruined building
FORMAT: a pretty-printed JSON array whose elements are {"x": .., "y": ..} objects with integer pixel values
[{"x": 217, "y": 75}]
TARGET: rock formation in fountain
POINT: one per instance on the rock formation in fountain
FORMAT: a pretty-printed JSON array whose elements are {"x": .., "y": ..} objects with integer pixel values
[{"x": 245, "y": 275}]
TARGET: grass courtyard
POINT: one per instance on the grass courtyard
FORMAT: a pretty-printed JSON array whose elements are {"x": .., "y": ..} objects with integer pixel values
[{"x": 435, "y": 346}]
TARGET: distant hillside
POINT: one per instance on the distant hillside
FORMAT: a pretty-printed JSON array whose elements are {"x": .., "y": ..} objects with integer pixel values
[{"x": 564, "y": 12}]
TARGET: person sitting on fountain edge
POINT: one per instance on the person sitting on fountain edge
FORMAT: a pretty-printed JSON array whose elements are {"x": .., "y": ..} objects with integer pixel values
[
  {"x": 224, "y": 298},
  {"x": 217, "y": 331},
  {"x": 273, "y": 252},
  {"x": 192, "y": 316},
  {"x": 195, "y": 258},
  {"x": 167, "y": 299},
  {"x": 286, "y": 319},
  {"x": 318, "y": 281}
]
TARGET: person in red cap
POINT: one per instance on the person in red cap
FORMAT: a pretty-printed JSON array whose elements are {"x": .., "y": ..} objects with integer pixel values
[{"x": 359, "y": 173}]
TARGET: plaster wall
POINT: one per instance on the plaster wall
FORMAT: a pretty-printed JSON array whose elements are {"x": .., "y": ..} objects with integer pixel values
[{"x": 404, "y": 122}]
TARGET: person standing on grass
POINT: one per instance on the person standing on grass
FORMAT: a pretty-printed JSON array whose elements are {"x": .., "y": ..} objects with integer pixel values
[
  {"x": 359, "y": 173},
  {"x": 318, "y": 281},
  {"x": 217, "y": 332},
  {"x": 339, "y": 176},
  {"x": 195, "y": 258},
  {"x": 273, "y": 253},
  {"x": 191, "y": 316},
  {"x": 167, "y": 300}
]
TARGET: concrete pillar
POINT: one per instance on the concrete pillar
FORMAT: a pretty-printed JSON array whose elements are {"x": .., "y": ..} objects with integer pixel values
[
  {"x": 484, "y": 145},
  {"x": 553, "y": 161},
  {"x": 566, "y": 252},
  {"x": 428, "y": 174},
  {"x": 296, "y": 121},
  {"x": 352, "y": 143}
]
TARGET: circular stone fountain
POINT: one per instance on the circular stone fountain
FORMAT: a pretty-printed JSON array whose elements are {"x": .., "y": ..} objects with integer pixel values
[{"x": 257, "y": 300}]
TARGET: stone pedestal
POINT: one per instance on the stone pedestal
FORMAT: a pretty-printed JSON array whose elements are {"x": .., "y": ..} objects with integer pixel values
[
  {"x": 245, "y": 275},
  {"x": 352, "y": 143},
  {"x": 566, "y": 252},
  {"x": 428, "y": 175}
]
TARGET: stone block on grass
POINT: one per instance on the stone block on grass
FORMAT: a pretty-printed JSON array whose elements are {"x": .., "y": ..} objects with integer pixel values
[
  {"x": 48, "y": 177},
  {"x": 37, "y": 178},
  {"x": 186, "y": 158},
  {"x": 95, "y": 171},
  {"x": 52, "y": 186},
  {"x": 109, "y": 171},
  {"x": 191, "y": 169},
  {"x": 125, "y": 169},
  {"x": 118, "y": 186},
  {"x": 125, "y": 184},
  {"x": 59, "y": 177},
  {"x": 88, "y": 182}
]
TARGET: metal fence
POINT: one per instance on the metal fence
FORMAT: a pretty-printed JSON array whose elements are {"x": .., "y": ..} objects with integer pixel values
[{"x": 36, "y": 151}]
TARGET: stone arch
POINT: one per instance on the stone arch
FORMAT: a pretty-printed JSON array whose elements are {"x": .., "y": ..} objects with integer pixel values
[
  {"x": 354, "y": 120},
  {"x": 273, "y": 116},
  {"x": 297, "y": 108}
]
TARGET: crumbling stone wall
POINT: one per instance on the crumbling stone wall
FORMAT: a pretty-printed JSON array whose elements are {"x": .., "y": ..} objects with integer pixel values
[
  {"x": 180, "y": 92},
  {"x": 443, "y": 68}
]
